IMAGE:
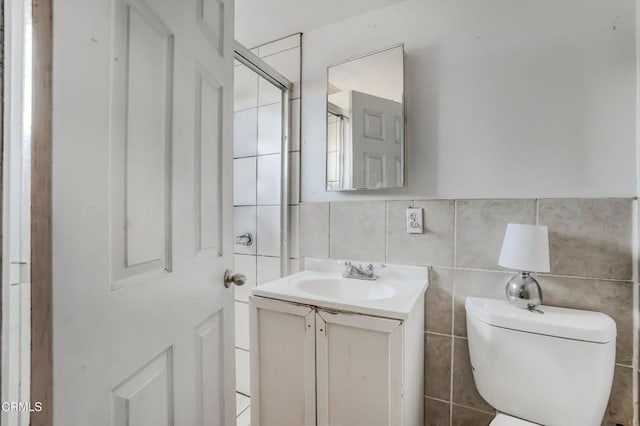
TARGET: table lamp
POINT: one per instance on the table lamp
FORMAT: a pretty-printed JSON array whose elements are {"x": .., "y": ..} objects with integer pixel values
[{"x": 525, "y": 248}]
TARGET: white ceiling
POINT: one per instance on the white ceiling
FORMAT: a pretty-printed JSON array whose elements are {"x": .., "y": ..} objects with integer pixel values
[{"x": 262, "y": 21}]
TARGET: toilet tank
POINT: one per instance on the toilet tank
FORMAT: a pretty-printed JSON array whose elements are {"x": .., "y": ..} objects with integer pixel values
[{"x": 554, "y": 368}]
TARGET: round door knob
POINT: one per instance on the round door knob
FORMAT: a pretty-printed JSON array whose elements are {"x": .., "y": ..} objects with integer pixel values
[{"x": 230, "y": 277}]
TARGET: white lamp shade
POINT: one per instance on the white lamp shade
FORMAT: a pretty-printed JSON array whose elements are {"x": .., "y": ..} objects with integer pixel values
[{"x": 525, "y": 248}]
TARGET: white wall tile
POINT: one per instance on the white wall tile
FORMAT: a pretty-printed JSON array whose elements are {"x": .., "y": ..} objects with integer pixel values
[
  {"x": 246, "y": 265},
  {"x": 242, "y": 371},
  {"x": 268, "y": 230},
  {"x": 268, "y": 93},
  {"x": 294, "y": 137},
  {"x": 244, "y": 220},
  {"x": 270, "y": 129},
  {"x": 294, "y": 178},
  {"x": 294, "y": 225},
  {"x": 245, "y": 88},
  {"x": 268, "y": 269},
  {"x": 287, "y": 63},
  {"x": 244, "y": 181},
  {"x": 269, "y": 176},
  {"x": 285, "y": 43},
  {"x": 242, "y": 325},
  {"x": 245, "y": 133}
]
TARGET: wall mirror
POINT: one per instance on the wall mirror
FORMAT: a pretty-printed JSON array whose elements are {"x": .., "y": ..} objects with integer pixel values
[{"x": 365, "y": 122}]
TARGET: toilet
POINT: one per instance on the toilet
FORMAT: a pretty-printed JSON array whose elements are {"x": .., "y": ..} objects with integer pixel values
[{"x": 551, "y": 367}]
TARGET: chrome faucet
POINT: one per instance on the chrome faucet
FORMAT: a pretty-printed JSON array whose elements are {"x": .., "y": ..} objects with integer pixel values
[{"x": 358, "y": 272}]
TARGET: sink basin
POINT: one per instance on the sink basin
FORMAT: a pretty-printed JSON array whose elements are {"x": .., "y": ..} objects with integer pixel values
[{"x": 344, "y": 288}]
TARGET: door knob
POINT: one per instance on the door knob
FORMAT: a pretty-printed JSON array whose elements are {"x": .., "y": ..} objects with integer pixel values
[{"x": 230, "y": 277}]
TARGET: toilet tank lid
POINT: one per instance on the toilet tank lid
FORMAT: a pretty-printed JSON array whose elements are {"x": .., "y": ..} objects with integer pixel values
[{"x": 566, "y": 323}]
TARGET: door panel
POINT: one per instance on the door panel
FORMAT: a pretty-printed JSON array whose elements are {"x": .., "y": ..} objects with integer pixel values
[
  {"x": 142, "y": 212},
  {"x": 359, "y": 370}
]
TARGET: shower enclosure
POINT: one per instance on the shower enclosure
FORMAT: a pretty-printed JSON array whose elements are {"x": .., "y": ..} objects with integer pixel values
[{"x": 266, "y": 162}]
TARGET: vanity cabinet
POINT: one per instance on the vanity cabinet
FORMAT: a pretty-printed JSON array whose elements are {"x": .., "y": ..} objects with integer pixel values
[{"x": 317, "y": 366}]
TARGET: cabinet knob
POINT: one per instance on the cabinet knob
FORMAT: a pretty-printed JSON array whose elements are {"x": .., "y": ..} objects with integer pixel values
[{"x": 230, "y": 277}]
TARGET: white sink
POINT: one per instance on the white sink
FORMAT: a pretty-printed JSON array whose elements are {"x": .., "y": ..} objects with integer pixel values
[
  {"x": 393, "y": 295},
  {"x": 345, "y": 288}
]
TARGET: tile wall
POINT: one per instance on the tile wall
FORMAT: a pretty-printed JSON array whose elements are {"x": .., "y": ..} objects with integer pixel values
[
  {"x": 591, "y": 268},
  {"x": 257, "y": 175}
]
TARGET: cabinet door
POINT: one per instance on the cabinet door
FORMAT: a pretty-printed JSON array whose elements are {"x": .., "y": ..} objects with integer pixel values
[
  {"x": 359, "y": 370},
  {"x": 282, "y": 348}
]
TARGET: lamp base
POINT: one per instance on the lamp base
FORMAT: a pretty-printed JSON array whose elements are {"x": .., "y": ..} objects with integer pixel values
[{"x": 524, "y": 291}]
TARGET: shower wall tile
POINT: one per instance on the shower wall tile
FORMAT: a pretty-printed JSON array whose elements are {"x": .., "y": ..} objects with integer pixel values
[
  {"x": 241, "y": 311},
  {"x": 270, "y": 129},
  {"x": 294, "y": 178},
  {"x": 245, "y": 88},
  {"x": 268, "y": 269},
  {"x": 288, "y": 64},
  {"x": 244, "y": 220},
  {"x": 242, "y": 372},
  {"x": 294, "y": 140},
  {"x": 357, "y": 230},
  {"x": 245, "y": 133},
  {"x": 480, "y": 229},
  {"x": 268, "y": 93},
  {"x": 589, "y": 238},
  {"x": 246, "y": 265},
  {"x": 268, "y": 231},
  {"x": 269, "y": 179},
  {"x": 294, "y": 224},
  {"x": 244, "y": 181}
]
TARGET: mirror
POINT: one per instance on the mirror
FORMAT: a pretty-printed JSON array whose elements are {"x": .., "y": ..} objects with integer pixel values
[{"x": 365, "y": 122}]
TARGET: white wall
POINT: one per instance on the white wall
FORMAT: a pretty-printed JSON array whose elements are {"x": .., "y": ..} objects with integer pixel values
[{"x": 505, "y": 98}]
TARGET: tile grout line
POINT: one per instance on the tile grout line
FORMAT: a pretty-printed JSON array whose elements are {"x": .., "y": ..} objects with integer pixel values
[{"x": 453, "y": 305}]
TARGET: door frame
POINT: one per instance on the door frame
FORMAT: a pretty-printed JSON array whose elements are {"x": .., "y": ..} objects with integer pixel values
[{"x": 41, "y": 230}]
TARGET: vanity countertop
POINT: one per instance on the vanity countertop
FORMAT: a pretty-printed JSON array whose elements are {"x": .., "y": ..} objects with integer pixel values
[{"x": 392, "y": 295}]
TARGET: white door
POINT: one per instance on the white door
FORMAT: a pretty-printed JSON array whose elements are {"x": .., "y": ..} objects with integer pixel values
[
  {"x": 283, "y": 374},
  {"x": 358, "y": 370},
  {"x": 378, "y": 138},
  {"x": 142, "y": 157}
]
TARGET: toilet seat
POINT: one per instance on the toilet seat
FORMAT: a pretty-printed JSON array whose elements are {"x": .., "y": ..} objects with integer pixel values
[{"x": 504, "y": 420}]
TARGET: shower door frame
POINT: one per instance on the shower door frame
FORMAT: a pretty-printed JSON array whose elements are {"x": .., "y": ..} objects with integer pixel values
[{"x": 266, "y": 71}]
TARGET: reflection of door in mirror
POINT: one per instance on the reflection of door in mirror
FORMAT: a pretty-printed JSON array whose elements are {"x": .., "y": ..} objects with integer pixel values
[{"x": 377, "y": 142}]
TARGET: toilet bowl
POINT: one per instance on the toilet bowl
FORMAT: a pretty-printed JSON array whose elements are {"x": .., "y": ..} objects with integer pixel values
[{"x": 552, "y": 367}]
